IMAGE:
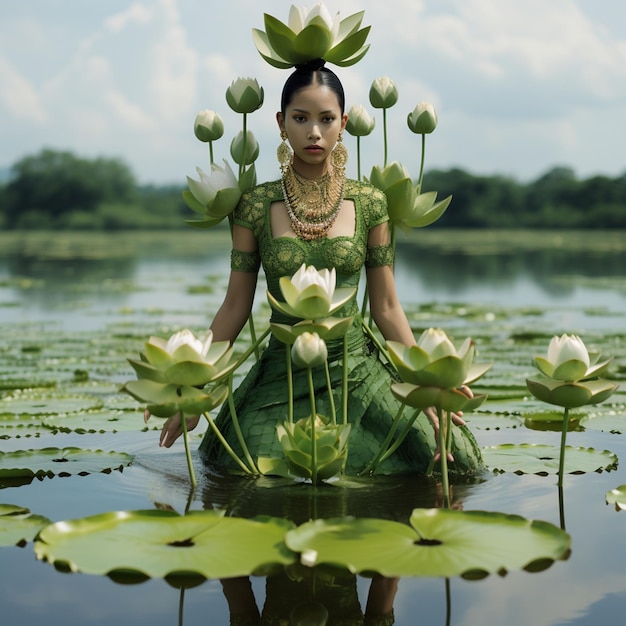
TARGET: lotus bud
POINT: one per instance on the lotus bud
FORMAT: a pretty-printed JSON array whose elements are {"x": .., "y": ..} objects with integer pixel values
[
  {"x": 360, "y": 123},
  {"x": 309, "y": 350},
  {"x": 244, "y": 95},
  {"x": 208, "y": 126},
  {"x": 423, "y": 119},
  {"x": 251, "y": 147},
  {"x": 383, "y": 93}
]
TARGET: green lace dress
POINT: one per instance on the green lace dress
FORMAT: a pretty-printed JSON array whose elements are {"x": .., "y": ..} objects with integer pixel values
[{"x": 261, "y": 400}]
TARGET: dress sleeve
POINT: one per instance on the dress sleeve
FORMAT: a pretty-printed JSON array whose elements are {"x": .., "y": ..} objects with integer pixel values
[
  {"x": 249, "y": 214},
  {"x": 376, "y": 213}
]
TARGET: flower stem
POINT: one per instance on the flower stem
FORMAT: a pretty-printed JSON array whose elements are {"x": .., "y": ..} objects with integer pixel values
[
  {"x": 563, "y": 437},
  {"x": 240, "y": 438},
  {"x": 289, "y": 382},
  {"x": 211, "y": 152},
  {"x": 344, "y": 393},
  {"x": 313, "y": 416},
  {"x": 421, "y": 176},
  {"x": 371, "y": 467},
  {"x": 333, "y": 410},
  {"x": 358, "y": 158},
  {"x": 227, "y": 446},
  {"x": 245, "y": 147},
  {"x": 443, "y": 456},
  {"x": 385, "y": 137},
  {"x": 400, "y": 438},
  {"x": 192, "y": 474}
]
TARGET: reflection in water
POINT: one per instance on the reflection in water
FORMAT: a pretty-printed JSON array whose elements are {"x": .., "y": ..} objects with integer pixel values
[
  {"x": 324, "y": 594},
  {"x": 548, "y": 269}
]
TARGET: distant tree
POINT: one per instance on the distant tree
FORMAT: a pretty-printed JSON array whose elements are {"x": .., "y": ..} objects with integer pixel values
[{"x": 52, "y": 184}]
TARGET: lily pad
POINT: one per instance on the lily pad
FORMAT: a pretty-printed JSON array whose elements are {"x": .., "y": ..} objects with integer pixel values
[
  {"x": 610, "y": 423},
  {"x": 162, "y": 543},
  {"x": 530, "y": 458},
  {"x": 438, "y": 543},
  {"x": 617, "y": 497},
  {"x": 101, "y": 421},
  {"x": 47, "y": 404},
  {"x": 18, "y": 526},
  {"x": 60, "y": 462}
]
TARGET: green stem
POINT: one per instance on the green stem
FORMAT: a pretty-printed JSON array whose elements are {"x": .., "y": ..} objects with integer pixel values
[
  {"x": 245, "y": 147},
  {"x": 400, "y": 438},
  {"x": 211, "y": 152},
  {"x": 227, "y": 446},
  {"x": 563, "y": 437},
  {"x": 443, "y": 457},
  {"x": 379, "y": 346},
  {"x": 289, "y": 382},
  {"x": 192, "y": 474},
  {"x": 358, "y": 158},
  {"x": 313, "y": 416},
  {"x": 385, "y": 137},
  {"x": 333, "y": 411},
  {"x": 344, "y": 394},
  {"x": 255, "y": 343},
  {"x": 181, "y": 604},
  {"x": 371, "y": 467},
  {"x": 240, "y": 438},
  {"x": 421, "y": 176},
  {"x": 251, "y": 349}
]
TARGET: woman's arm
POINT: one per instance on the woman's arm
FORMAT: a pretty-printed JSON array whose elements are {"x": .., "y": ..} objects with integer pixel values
[
  {"x": 227, "y": 323},
  {"x": 383, "y": 298}
]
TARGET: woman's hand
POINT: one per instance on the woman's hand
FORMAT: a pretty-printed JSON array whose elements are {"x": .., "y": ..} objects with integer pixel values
[
  {"x": 173, "y": 428},
  {"x": 457, "y": 418}
]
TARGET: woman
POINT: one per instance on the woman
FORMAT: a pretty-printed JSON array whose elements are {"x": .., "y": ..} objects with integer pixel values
[{"x": 314, "y": 215}]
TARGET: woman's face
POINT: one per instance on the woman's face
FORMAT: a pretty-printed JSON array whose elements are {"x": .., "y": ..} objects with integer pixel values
[{"x": 313, "y": 121}]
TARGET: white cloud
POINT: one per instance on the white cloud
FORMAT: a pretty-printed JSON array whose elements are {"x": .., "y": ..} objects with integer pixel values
[
  {"x": 19, "y": 96},
  {"x": 517, "y": 86}
]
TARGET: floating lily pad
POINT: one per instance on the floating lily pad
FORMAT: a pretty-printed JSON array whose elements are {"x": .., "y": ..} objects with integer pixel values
[
  {"x": 617, "y": 497},
  {"x": 18, "y": 526},
  {"x": 492, "y": 422},
  {"x": 610, "y": 423},
  {"x": 530, "y": 458},
  {"x": 160, "y": 544},
  {"x": 439, "y": 542},
  {"x": 47, "y": 404},
  {"x": 60, "y": 462},
  {"x": 101, "y": 421}
]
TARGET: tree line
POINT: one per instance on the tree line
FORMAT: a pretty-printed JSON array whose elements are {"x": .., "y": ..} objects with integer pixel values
[{"x": 59, "y": 190}]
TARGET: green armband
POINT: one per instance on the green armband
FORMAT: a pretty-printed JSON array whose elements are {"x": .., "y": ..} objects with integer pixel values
[
  {"x": 242, "y": 261},
  {"x": 378, "y": 256}
]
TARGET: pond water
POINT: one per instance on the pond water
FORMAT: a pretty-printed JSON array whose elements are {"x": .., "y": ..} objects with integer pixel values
[{"x": 74, "y": 307}]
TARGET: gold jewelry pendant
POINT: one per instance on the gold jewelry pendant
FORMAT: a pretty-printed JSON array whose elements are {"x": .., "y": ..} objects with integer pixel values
[
  {"x": 339, "y": 155},
  {"x": 283, "y": 152}
]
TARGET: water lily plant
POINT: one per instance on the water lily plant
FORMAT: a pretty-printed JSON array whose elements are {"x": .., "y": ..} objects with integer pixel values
[
  {"x": 360, "y": 124},
  {"x": 311, "y": 293},
  {"x": 433, "y": 373},
  {"x": 570, "y": 377},
  {"x": 312, "y": 297},
  {"x": 312, "y": 34},
  {"x": 214, "y": 196},
  {"x": 183, "y": 374}
]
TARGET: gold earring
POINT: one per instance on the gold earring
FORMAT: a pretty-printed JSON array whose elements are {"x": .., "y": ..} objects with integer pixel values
[
  {"x": 339, "y": 155},
  {"x": 283, "y": 153}
]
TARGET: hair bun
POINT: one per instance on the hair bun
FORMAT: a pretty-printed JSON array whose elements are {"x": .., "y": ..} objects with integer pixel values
[{"x": 311, "y": 66}]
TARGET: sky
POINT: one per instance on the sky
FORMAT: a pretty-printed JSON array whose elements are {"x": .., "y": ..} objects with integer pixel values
[{"x": 519, "y": 87}]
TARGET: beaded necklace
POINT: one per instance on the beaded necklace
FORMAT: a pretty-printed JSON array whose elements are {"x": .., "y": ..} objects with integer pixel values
[{"x": 312, "y": 204}]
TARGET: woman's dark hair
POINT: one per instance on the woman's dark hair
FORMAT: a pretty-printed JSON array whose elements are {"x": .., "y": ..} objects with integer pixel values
[{"x": 312, "y": 73}]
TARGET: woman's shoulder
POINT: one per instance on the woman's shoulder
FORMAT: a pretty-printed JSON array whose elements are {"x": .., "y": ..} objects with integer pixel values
[{"x": 363, "y": 189}]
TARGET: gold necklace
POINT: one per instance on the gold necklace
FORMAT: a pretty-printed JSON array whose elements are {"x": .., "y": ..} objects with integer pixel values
[{"x": 312, "y": 204}]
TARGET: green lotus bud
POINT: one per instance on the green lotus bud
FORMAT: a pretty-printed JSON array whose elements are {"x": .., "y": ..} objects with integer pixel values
[
  {"x": 423, "y": 119},
  {"x": 360, "y": 123},
  {"x": 237, "y": 148},
  {"x": 383, "y": 93},
  {"x": 244, "y": 95},
  {"x": 208, "y": 126},
  {"x": 309, "y": 350}
]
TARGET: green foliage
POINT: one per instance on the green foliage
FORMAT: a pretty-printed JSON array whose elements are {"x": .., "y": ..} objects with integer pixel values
[
  {"x": 557, "y": 199},
  {"x": 58, "y": 190}
]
